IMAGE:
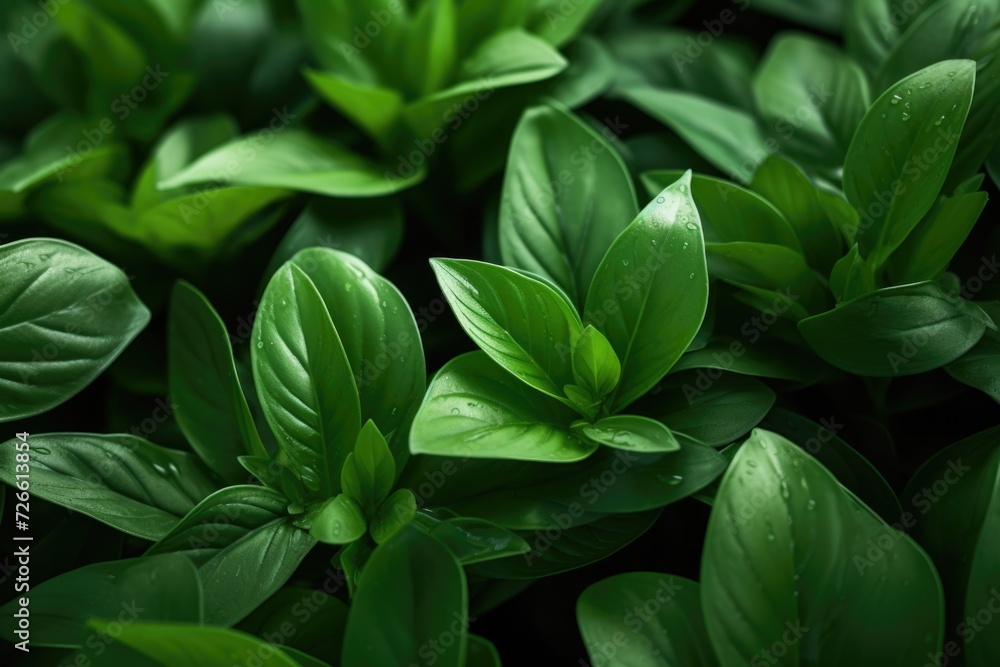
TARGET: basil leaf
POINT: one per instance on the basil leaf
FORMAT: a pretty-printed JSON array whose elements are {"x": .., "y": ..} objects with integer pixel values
[
  {"x": 292, "y": 159},
  {"x": 369, "y": 472},
  {"x": 711, "y": 411},
  {"x": 397, "y": 511},
  {"x": 959, "y": 29},
  {"x": 205, "y": 392},
  {"x": 650, "y": 293},
  {"x": 900, "y": 155},
  {"x": 813, "y": 95},
  {"x": 542, "y": 499},
  {"x": 673, "y": 633},
  {"x": 566, "y": 197},
  {"x": 929, "y": 248},
  {"x": 851, "y": 276},
  {"x": 980, "y": 366},
  {"x": 477, "y": 409},
  {"x": 955, "y": 499},
  {"x": 121, "y": 480},
  {"x": 411, "y": 591},
  {"x": 520, "y": 322},
  {"x": 896, "y": 331},
  {"x": 473, "y": 540},
  {"x": 789, "y": 552},
  {"x": 244, "y": 545},
  {"x": 160, "y": 588},
  {"x": 789, "y": 190},
  {"x": 629, "y": 432},
  {"x": 774, "y": 273},
  {"x": 730, "y": 213},
  {"x": 66, "y": 315},
  {"x": 595, "y": 364},
  {"x": 725, "y": 136},
  {"x": 339, "y": 520},
  {"x": 304, "y": 379},
  {"x": 379, "y": 336}
]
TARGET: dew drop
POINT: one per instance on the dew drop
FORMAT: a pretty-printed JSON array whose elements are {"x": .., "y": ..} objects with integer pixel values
[
  {"x": 906, "y": 116},
  {"x": 811, "y": 505},
  {"x": 653, "y": 241},
  {"x": 692, "y": 226},
  {"x": 347, "y": 286},
  {"x": 682, "y": 188},
  {"x": 883, "y": 115},
  {"x": 895, "y": 99},
  {"x": 660, "y": 200},
  {"x": 752, "y": 463},
  {"x": 939, "y": 120},
  {"x": 455, "y": 411},
  {"x": 260, "y": 344}
]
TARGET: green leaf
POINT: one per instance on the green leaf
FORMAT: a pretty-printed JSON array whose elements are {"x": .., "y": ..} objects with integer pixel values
[
  {"x": 369, "y": 229},
  {"x": 851, "y": 276},
  {"x": 123, "y": 481},
  {"x": 519, "y": 321},
  {"x": 369, "y": 472},
  {"x": 507, "y": 59},
  {"x": 788, "y": 189},
  {"x": 473, "y": 540},
  {"x": 671, "y": 59},
  {"x": 566, "y": 196},
  {"x": 558, "y": 22},
  {"x": 481, "y": 653},
  {"x": 430, "y": 51},
  {"x": 475, "y": 408},
  {"x": 790, "y": 554},
  {"x": 957, "y": 29},
  {"x": 339, "y": 520},
  {"x": 205, "y": 392},
  {"x": 304, "y": 379},
  {"x": 397, "y": 511},
  {"x": 373, "y": 108},
  {"x": 849, "y": 467},
  {"x": 245, "y": 546},
  {"x": 317, "y": 617},
  {"x": 956, "y": 498},
  {"x": 711, "y": 411},
  {"x": 929, "y": 248},
  {"x": 729, "y": 213},
  {"x": 66, "y": 315},
  {"x": 762, "y": 358},
  {"x": 900, "y": 155},
  {"x": 161, "y": 588},
  {"x": 45, "y": 156},
  {"x": 629, "y": 432},
  {"x": 411, "y": 591},
  {"x": 662, "y": 624},
  {"x": 725, "y": 136},
  {"x": 595, "y": 364},
  {"x": 542, "y": 498},
  {"x": 813, "y": 95},
  {"x": 980, "y": 366},
  {"x": 650, "y": 293},
  {"x": 574, "y": 546},
  {"x": 196, "y": 646},
  {"x": 379, "y": 336},
  {"x": 872, "y": 27},
  {"x": 292, "y": 159},
  {"x": 896, "y": 331}
]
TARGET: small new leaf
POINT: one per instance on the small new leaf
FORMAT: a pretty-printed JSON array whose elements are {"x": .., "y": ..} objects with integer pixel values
[
  {"x": 595, "y": 365},
  {"x": 369, "y": 471}
]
